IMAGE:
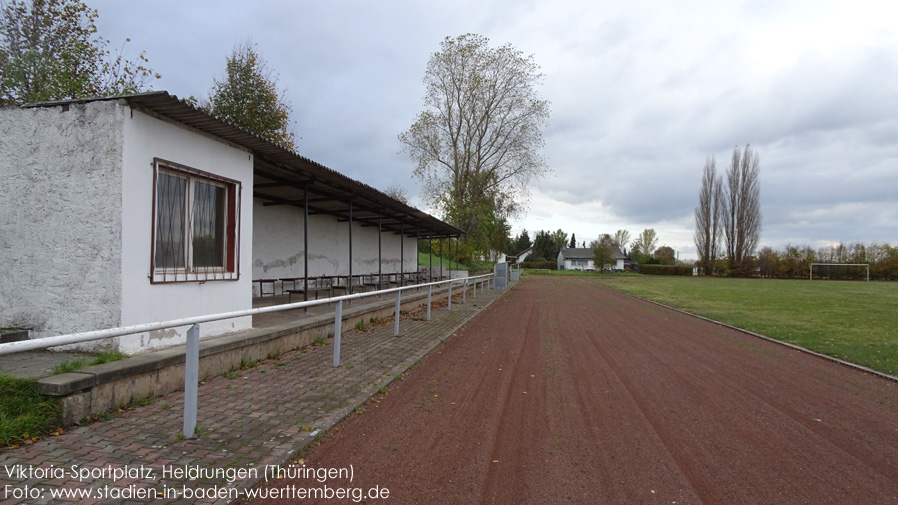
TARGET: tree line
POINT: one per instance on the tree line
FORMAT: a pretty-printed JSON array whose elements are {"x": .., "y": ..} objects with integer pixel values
[
  {"x": 547, "y": 244},
  {"x": 793, "y": 262}
]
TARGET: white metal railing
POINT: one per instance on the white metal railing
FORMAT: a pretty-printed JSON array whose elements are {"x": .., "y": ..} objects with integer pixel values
[{"x": 191, "y": 359}]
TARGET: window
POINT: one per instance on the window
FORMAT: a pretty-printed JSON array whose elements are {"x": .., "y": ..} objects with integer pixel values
[{"x": 195, "y": 225}]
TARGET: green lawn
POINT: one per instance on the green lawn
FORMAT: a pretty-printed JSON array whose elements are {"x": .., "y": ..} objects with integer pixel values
[
  {"x": 854, "y": 321},
  {"x": 424, "y": 260}
]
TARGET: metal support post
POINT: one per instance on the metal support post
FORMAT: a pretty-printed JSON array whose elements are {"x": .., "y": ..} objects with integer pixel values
[
  {"x": 338, "y": 323},
  {"x": 191, "y": 379},
  {"x": 464, "y": 292},
  {"x": 450, "y": 295},
  {"x": 429, "y": 292},
  {"x": 396, "y": 316}
]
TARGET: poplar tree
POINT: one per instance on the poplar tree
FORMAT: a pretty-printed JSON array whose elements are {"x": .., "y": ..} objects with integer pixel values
[
  {"x": 708, "y": 217},
  {"x": 742, "y": 210}
]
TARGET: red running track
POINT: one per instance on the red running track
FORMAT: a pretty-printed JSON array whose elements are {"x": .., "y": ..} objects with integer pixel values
[{"x": 565, "y": 392}]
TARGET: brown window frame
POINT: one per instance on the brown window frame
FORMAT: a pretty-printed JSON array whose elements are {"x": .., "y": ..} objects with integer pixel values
[{"x": 230, "y": 268}]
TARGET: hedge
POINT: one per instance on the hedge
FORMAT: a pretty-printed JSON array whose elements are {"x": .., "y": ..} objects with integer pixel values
[
  {"x": 551, "y": 265},
  {"x": 663, "y": 270}
]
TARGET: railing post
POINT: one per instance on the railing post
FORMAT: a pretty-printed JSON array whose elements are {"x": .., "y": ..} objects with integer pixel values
[
  {"x": 429, "y": 292},
  {"x": 338, "y": 323},
  {"x": 464, "y": 291},
  {"x": 450, "y": 295},
  {"x": 396, "y": 316},
  {"x": 191, "y": 379}
]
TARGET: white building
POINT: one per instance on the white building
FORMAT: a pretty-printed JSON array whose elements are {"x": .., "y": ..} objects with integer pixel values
[
  {"x": 582, "y": 259},
  {"x": 142, "y": 208}
]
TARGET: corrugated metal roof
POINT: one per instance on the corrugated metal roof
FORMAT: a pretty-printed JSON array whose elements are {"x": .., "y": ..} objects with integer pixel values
[{"x": 281, "y": 175}]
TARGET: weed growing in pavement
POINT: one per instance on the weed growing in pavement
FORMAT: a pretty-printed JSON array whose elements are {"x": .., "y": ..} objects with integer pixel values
[
  {"x": 69, "y": 365},
  {"x": 244, "y": 363},
  {"x": 107, "y": 357},
  {"x": 360, "y": 325},
  {"x": 320, "y": 341}
]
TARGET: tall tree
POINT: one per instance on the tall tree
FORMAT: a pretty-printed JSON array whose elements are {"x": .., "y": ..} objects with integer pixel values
[
  {"x": 707, "y": 217},
  {"x": 544, "y": 246},
  {"x": 523, "y": 241},
  {"x": 621, "y": 238},
  {"x": 248, "y": 97},
  {"x": 573, "y": 243},
  {"x": 742, "y": 209},
  {"x": 645, "y": 243},
  {"x": 476, "y": 145},
  {"x": 50, "y": 50},
  {"x": 560, "y": 239}
]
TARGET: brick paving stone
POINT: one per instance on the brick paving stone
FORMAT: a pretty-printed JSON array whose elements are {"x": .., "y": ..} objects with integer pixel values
[{"x": 263, "y": 416}]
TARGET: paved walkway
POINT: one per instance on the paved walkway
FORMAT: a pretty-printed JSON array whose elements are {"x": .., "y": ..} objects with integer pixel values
[{"x": 248, "y": 421}]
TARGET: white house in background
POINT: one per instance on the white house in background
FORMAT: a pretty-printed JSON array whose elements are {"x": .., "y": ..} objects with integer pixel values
[
  {"x": 582, "y": 259},
  {"x": 142, "y": 208},
  {"x": 524, "y": 255}
]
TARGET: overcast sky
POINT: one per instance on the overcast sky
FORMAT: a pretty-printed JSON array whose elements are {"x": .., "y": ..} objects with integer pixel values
[{"x": 641, "y": 93}]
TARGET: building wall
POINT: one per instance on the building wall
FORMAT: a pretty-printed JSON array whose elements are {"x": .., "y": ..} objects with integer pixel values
[
  {"x": 568, "y": 264},
  {"x": 60, "y": 218},
  {"x": 146, "y": 138},
  {"x": 278, "y": 246}
]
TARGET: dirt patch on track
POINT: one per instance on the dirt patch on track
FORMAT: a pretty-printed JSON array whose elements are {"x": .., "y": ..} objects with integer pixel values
[{"x": 566, "y": 392}]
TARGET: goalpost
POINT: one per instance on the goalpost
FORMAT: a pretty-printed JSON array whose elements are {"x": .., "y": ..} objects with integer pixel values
[{"x": 867, "y": 265}]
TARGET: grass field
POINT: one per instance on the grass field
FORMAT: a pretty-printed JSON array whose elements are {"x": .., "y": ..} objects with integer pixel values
[
  {"x": 424, "y": 259},
  {"x": 854, "y": 321}
]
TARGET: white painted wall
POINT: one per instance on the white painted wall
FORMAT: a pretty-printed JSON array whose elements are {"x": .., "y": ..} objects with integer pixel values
[
  {"x": 60, "y": 210},
  {"x": 145, "y": 138},
  {"x": 278, "y": 246}
]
